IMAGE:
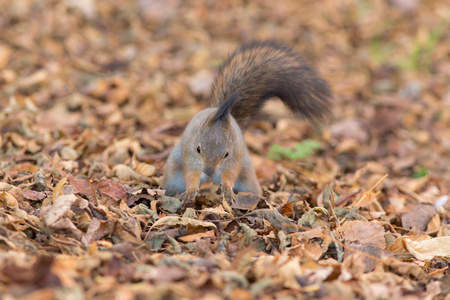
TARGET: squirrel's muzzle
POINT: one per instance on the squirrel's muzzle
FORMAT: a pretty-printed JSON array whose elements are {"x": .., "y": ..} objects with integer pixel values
[{"x": 209, "y": 171}]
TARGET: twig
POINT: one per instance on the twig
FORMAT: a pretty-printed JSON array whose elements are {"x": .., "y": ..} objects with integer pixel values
[
  {"x": 332, "y": 206},
  {"x": 437, "y": 271},
  {"x": 367, "y": 193},
  {"x": 55, "y": 164},
  {"x": 344, "y": 200}
]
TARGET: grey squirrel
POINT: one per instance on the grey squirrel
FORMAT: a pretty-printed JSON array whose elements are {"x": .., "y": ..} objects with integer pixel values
[{"x": 212, "y": 144}]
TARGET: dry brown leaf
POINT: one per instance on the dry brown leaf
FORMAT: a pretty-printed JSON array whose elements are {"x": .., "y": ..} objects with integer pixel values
[
  {"x": 193, "y": 225},
  {"x": 83, "y": 82},
  {"x": 98, "y": 229},
  {"x": 193, "y": 237},
  {"x": 309, "y": 245},
  {"x": 112, "y": 189},
  {"x": 8, "y": 199},
  {"x": 56, "y": 215},
  {"x": 246, "y": 201},
  {"x": 58, "y": 190},
  {"x": 428, "y": 249},
  {"x": 275, "y": 219},
  {"x": 434, "y": 224},
  {"x": 350, "y": 129},
  {"x": 365, "y": 255},
  {"x": 145, "y": 169},
  {"x": 407, "y": 269},
  {"x": 125, "y": 173},
  {"x": 5, "y": 54},
  {"x": 4, "y": 187},
  {"x": 418, "y": 217},
  {"x": 365, "y": 233}
]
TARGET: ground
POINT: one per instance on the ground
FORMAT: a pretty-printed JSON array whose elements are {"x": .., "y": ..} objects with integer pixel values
[{"x": 95, "y": 94}]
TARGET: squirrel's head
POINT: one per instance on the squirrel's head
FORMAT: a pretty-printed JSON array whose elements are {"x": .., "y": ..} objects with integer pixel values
[{"x": 216, "y": 138}]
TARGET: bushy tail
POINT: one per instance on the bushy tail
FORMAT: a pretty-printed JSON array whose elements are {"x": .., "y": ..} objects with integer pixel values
[{"x": 258, "y": 71}]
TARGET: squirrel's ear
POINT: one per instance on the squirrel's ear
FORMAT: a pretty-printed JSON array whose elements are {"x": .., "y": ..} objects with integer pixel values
[{"x": 224, "y": 110}]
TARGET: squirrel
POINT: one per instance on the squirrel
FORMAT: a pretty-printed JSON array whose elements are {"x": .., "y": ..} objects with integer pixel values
[{"x": 212, "y": 145}]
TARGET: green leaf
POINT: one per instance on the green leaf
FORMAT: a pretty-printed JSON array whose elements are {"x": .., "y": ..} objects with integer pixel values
[
  {"x": 170, "y": 204},
  {"x": 420, "y": 172},
  {"x": 300, "y": 151},
  {"x": 312, "y": 217}
]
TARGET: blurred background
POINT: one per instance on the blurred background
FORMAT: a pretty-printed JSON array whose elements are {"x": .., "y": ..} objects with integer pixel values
[
  {"x": 79, "y": 75},
  {"x": 94, "y": 94}
]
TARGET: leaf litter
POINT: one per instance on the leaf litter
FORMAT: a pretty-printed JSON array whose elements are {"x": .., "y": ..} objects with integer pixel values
[{"x": 94, "y": 95}]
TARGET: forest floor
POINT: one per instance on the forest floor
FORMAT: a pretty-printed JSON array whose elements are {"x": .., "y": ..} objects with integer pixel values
[{"x": 95, "y": 94}]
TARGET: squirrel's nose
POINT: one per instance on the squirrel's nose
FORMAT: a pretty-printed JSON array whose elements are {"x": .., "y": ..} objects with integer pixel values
[{"x": 209, "y": 171}]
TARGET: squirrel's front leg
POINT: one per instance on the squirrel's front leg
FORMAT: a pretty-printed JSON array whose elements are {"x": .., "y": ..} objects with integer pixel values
[
  {"x": 227, "y": 184},
  {"x": 192, "y": 181}
]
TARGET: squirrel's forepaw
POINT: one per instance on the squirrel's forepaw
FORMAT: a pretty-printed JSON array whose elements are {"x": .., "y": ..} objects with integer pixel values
[
  {"x": 227, "y": 194},
  {"x": 189, "y": 195}
]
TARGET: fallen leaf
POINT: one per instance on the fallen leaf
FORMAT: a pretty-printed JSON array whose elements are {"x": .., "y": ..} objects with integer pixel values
[
  {"x": 112, "y": 189},
  {"x": 170, "y": 204},
  {"x": 309, "y": 245},
  {"x": 193, "y": 237},
  {"x": 125, "y": 173},
  {"x": 407, "y": 269},
  {"x": 418, "y": 217},
  {"x": 368, "y": 261},
  {"x": 8, "y": 199},
  {"x": 58, "y": 190},
  {"x": 350, "y": 129},
  {"x": 428, "y": 249},
  {"x": 365, "y": 233},
  {"x": 145, "y": 169},
  {"x": 33, "y": 195},
  {"x": 246, "y": 201},
  {"x": 98, "y": 229},
  {"x": 193, "y": 225},
  {"x": 434, "y": 224},
  {"x": 275, "y": 218},
  {"x": 56, "y": 215},
  {"x": 312, "y": 217}
]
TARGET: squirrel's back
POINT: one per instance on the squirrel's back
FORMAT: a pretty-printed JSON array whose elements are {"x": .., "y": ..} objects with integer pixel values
[{"x": 258, "y": 71}]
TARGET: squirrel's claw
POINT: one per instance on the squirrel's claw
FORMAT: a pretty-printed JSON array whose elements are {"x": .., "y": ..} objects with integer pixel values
[
  {"x": 227, "y": 194},
  {"x": 187, "y": 198},
  {"x": 189, "y": 195}
]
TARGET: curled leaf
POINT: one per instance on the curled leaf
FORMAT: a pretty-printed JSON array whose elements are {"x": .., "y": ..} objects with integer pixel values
[
  {"x": 428, "y": 249},
  {"x": 193, "y": 225}
]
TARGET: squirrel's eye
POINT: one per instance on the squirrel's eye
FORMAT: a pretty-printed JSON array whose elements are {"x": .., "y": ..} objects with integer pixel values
[
  {"x": 199, "y": 150},
  {"x": 226, "y": 155}
]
